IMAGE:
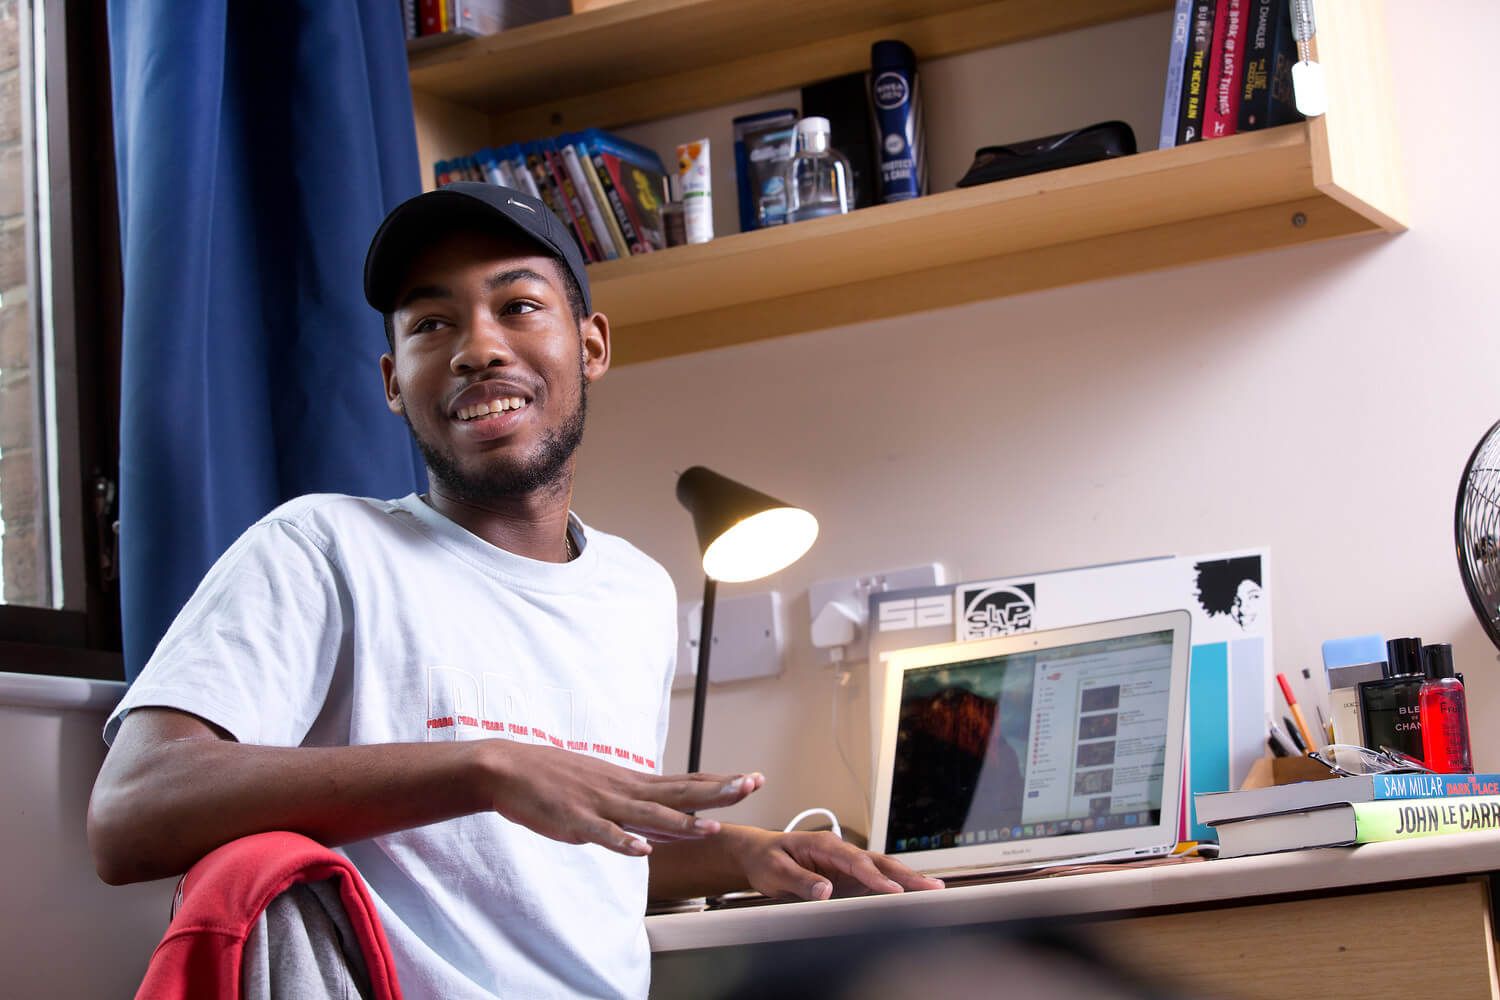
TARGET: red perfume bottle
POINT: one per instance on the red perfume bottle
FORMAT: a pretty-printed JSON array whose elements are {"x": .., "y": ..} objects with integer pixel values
[{"x": 1445, "y": 714}]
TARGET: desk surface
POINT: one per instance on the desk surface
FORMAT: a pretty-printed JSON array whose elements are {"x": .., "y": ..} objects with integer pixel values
[{"x": 1081, "y": 895}]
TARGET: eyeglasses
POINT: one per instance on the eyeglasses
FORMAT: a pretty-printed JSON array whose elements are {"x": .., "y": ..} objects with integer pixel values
[{"x": 1348, "y": 760}]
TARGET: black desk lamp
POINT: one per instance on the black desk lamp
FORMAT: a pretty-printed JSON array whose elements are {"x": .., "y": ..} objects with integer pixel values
[{"x": 743, "y": 535}]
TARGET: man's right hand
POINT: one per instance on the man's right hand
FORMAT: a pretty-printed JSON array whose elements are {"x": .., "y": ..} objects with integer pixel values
[
  {"x": 174, "y": 787},
  {"x": 579, "y": 800}
]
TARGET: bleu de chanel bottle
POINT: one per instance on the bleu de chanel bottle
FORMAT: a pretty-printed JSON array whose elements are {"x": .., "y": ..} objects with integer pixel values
[{"x": 1391, "y": 707}]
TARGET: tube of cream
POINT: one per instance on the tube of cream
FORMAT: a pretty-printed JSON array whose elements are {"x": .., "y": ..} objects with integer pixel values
[{"x": 697, "y": 193}]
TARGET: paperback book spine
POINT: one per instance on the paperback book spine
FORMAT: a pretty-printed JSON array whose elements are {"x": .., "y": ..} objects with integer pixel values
[
  {"x": 1282, "y": 105},
  {"x": 1266, "y": 95},
  {"x": 1260, "y": 25},
  {"x": 1171, "y": 103},
  {"x": 1195, "y": 72},
  {"x": 513, "y": 155},
  {"x": 617, "y": 205},
  {"x": 596, "y": 188},
  {"x": 576, "y": 215},
  {"x": 546, "y": 187},
  {"x": 585, "y": 196},
  {"x": 1427, "y": 786},
  {"x": 431, "y": 19},
  {"x": 1381, "y": 821},
  {"x": 1222, "y": 113}
]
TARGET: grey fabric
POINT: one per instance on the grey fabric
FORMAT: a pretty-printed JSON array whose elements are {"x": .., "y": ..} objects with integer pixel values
[{"x": 303, "y": 948}]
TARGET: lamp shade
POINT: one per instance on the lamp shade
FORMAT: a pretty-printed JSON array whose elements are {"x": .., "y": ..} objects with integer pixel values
[{"x": 743, "y": 534}]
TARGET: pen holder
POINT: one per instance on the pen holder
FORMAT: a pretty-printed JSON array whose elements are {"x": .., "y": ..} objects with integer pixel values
[{"x": 1284, "y": 771}]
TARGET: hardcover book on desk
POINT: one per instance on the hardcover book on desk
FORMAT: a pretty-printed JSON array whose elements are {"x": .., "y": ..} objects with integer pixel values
[
  {"x": 1346, "y": 824},
  {"x": 1222, "y": 807},
  {"x": 1227, "y": 594}
]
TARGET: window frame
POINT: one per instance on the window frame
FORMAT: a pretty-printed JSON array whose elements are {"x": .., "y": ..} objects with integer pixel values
[{"x": 79, "y": 381}]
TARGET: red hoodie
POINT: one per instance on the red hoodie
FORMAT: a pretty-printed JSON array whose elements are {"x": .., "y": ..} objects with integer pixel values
[{"x": 220, "y": 898}]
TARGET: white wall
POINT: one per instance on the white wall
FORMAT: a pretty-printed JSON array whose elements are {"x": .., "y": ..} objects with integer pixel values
[{"x": 1319, "y": 400}]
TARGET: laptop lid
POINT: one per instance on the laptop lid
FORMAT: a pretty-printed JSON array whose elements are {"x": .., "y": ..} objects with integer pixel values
[{"x": 1034, "y": 748}]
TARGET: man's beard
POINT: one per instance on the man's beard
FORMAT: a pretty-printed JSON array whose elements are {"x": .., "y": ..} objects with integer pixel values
[{"x": 497, "y": 481}]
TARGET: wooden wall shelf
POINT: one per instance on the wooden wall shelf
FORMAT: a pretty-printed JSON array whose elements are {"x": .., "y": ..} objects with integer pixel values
[
  {"x": 1154, "y": 210},
  {"x": 655, "y": 58},
  {"x": 1329, "y": 177}
]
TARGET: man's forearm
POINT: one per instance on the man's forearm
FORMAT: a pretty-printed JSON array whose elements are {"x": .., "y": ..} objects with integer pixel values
[{"x": 159, "y": 809}]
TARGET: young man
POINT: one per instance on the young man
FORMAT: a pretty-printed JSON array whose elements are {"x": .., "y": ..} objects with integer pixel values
[{"x": 467, "y": 690}]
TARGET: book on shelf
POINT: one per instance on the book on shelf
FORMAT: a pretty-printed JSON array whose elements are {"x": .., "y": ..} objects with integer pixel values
[
  {"x": 1266, "y": 98},
  {"x": 1344, "y": 824},
  {"x": 606, "y": 190},
  {"x": 638, "y": 177},
  {"x": 1195, "y": 71},
  {"x": 631, "y": 236},
  {"x": 577, "y": 217},
  {"x": 1220, "y": 807},
  {"x": 534, "y": 158},
  {"x": 1182, "y": 20},
  {"x": 1229, "y": 70},
  {"x": 441, "y": 22},
  {"x": 591, "y": 190},
  {"x": 1221, "y": 112}
]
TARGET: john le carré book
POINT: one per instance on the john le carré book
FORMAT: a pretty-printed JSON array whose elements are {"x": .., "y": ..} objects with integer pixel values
[
  {"x": 1219, "y": 807},
  {"x": 1349, "y": 823}
]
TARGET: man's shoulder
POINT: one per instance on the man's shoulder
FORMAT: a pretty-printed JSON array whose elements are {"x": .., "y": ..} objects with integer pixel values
[
  {"x": 326, "y": 517},
  {"x": 620, "y": 556}
]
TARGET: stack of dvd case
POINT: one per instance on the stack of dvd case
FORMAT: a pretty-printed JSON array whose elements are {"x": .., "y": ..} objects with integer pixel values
[{"x": 606, "y": 189}]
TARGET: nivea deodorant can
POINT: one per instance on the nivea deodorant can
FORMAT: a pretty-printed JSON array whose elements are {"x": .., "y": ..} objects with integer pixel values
[{"x": 895, "y": 103}]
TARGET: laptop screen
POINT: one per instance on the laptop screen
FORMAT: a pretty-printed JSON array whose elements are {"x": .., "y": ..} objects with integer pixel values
[{"x": 1033, "y": 744}]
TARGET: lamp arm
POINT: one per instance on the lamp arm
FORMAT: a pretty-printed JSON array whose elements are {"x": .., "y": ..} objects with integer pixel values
[{"x": 700, "y": 683}]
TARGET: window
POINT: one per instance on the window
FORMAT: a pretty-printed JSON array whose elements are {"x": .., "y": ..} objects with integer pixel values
[
  {"x": 58, "y": 347},
  {"x": 24, "y": 561}
]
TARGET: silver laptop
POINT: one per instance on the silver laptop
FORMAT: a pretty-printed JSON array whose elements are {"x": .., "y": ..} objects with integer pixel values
[{"x": 1034, "y": 749}]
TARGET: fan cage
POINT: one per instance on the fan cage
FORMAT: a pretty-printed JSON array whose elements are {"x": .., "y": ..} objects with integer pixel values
[{"x": 1476, "y": 531}]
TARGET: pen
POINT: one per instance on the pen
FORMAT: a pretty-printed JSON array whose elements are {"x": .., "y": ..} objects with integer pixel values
[
  {"x": 1275, "y": 740},
  {"x": 1291, "y": 731},
  {"x": 1325, "y": 727},
  {"x": 1291, "y": 702}
]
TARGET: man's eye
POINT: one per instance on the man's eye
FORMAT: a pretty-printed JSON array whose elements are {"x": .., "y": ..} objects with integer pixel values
[
  {"x": 426, "y": 325},
  {"x": 520, "y": 307}
]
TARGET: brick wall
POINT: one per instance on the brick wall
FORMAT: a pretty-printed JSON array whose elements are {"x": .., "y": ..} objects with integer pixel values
[{"x": 24, "y": 569}]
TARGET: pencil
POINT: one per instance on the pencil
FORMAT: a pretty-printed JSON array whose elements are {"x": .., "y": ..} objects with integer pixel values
[{"x": 1291, "y": 702}]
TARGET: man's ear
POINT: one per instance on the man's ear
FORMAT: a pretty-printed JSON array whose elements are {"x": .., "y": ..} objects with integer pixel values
[
  {"x": 594, "y": 331},
  {"x": 392, "y": 388}
]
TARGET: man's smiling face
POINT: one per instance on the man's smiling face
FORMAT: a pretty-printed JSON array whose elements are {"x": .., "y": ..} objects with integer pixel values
[{"x": 489, "y": 365}]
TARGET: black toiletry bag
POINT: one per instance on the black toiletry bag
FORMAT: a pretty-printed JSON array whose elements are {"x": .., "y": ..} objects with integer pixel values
[{"x": 1104, "y": 141}]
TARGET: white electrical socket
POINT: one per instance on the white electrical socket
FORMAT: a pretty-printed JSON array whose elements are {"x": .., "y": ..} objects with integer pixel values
[
  {"x": 748, "y": 639},
  {"x": 853, "y": 592}
]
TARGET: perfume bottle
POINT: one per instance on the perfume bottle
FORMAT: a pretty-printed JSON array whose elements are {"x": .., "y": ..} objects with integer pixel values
[
  {"x": 818, "y": 179},
  {"x": 1445, "y": 715},
  {"x": 1391, "y": 708}
]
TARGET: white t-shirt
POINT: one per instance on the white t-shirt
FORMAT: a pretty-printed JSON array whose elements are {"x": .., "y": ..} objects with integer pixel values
[{"x": 338, "y": 620}]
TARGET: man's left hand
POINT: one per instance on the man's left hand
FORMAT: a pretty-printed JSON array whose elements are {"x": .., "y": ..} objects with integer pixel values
[{"x": 802, "y": 865}]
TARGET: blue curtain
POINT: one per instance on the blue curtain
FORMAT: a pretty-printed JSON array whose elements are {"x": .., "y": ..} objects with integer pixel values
[{"x": 258, "y": 146}]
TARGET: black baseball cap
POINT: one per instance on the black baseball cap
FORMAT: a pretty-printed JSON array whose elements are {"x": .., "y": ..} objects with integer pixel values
[{"x": 418, "y": 222}]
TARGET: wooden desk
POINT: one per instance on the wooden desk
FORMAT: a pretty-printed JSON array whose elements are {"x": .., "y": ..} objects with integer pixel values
[{"x": 1323, "y": 924}]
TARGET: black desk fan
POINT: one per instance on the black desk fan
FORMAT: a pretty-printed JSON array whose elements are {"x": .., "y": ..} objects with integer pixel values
[{"x": 1476, "y": 531}]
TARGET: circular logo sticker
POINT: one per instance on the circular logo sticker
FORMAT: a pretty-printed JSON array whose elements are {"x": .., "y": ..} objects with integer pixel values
[
  {"x": 894, "y": 144},
  {"x": 890, "y": 91},
  {"x": 998, "y": 611}
]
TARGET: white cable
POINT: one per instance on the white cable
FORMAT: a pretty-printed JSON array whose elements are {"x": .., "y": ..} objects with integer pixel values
[{"x": 816, "y": 811}]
